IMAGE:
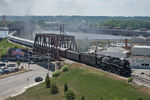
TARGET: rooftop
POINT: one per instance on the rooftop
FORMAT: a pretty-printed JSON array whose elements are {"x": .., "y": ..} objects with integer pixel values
[{"x": 141, "y": 46}]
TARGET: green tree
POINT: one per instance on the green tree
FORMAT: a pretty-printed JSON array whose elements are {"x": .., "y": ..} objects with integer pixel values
[
  {"x": 54, "y": 89},
  {"x": 18, "y": 63},
  {"x": 47, "y": 81},
  {"x": 69, "y": 95},
  {"x": 65, "y": 87}
]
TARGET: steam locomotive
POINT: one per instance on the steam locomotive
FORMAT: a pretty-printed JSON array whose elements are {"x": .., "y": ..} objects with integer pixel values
[{"x": 107, "y": 63}]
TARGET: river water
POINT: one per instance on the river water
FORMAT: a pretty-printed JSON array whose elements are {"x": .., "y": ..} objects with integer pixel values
[{"x": 81, "y": 35}]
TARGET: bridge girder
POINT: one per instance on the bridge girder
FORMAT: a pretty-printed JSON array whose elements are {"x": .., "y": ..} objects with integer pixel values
[{"x": 50, "y": 43}]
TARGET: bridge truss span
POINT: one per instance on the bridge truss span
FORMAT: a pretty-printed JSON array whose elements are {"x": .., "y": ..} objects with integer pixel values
[{"x": 51, "y": 43}]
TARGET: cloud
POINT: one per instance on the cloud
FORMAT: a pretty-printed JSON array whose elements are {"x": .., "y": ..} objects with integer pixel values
[
  {"x": 76, "y": 7},
  {"x": 16, "y": 7}
]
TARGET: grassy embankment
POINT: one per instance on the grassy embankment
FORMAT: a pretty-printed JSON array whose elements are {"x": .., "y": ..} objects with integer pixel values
[
  {"x": 90, "y": 83},
  {"x": 5, "y": 45}
]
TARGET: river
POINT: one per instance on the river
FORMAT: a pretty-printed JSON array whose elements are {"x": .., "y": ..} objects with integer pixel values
[{"x": 81, "y": 35}]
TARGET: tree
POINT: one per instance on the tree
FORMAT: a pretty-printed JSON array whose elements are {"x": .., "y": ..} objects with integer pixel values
[
  {"x": 65, "y": 87},
  {"x": 47, "y": 81},
  {"x": 83, "y": 98},
  {"x": 54, "y": 89},
  {"x": 18, "y": 63},
  {"x": 69, "y": 95}
]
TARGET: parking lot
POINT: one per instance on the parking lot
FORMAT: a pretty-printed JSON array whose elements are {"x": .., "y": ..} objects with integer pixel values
[
  {"x": 15, "y": 84},
  {"x": 9, "y": 68}
]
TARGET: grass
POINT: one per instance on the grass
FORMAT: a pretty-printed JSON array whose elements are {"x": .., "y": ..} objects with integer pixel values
[
  {"x": 5, "y": 45},
  {"x": 87, "y": 82}
]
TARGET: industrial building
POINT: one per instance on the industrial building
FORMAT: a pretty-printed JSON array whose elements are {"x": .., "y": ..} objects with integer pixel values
[
  {"x": 141, "y": 40},
  {"x": 140, "y": 51}
]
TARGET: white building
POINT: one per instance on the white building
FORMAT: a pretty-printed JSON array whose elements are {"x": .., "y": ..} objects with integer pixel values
[
  {"x": 140, "y": 51},
  {"x": 4, "y": 32}
]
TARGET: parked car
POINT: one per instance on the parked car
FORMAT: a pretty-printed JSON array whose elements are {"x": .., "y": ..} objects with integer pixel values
[
  {"x": 1, "y": 72},
  {"x": 2, "y": 64},
  {"x": 16, "y": 69},
  {"x": 4, "y": 60},
  {"x": 11, "y": 65},
  {"x": 38, "y": 79},
  {"x": 10, "y": 70},
  {"x": 6, "y": 71},
  {"x": 13, "y": 69}
]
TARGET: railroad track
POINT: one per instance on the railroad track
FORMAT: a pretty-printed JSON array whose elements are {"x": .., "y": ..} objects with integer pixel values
[{"x": 141, "y": 79}]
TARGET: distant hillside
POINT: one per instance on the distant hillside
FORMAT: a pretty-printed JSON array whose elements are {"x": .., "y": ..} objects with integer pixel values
[{"x": 74, "y": 19}]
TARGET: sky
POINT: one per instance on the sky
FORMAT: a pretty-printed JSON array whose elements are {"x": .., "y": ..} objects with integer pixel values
[{"x": 76, "y": 7}]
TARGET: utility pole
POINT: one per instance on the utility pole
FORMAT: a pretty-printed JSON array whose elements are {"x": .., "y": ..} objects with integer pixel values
[
  {"x": 28, "y": 60},
  {"x": 48, "y": 62}
]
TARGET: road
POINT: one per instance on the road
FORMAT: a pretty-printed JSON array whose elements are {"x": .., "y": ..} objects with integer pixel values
[{"x": 15, "y": 84}]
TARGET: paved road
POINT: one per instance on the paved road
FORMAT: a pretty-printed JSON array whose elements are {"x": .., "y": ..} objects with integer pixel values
[{"x": 14, "y": 84}]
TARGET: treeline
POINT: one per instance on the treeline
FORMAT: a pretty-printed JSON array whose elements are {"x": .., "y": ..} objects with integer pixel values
[
  {"x": 134, "y": 24},
  {"x": 73, "y": 19}
]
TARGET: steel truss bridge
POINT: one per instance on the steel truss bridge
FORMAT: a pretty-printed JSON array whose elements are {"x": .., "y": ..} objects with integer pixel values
[{"x": 45, "y": 44}]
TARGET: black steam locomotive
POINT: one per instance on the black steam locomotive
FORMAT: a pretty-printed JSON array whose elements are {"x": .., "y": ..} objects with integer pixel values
[{"x": 107, "y": 63}]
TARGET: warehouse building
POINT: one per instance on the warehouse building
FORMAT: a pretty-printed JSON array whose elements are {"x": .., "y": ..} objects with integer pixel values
[{"x": 140, "y": 51}]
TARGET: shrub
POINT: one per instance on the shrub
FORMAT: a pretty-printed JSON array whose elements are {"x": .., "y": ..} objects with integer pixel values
[
  {"x": 47, "y": 81},
  {"x": 21, "y": 67},
  {"x": 139, "y": 98},
  {"x": 83, "y": 98},
  {"x": 54, "y": 89},
  {"x": 101, "y": 98},
  {"x": 65, "y": 87},
  {"x": 130, "y": 79},
  {"x": 56, "y": 73},
  {"x": 65, "y": 68},
  {"x": 69, "y": 95}
]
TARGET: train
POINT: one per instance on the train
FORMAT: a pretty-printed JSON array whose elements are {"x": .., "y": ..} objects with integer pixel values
[
  {"x": 21, "y": 41},
  {"x": 107, "y": 63}
]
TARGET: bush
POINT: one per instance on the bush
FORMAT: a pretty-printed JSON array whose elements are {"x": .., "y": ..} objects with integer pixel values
[
  {"x": 21, "y": 67},
  {"x": 83, "y": 98},
  {"x": 140, "y": 98},
  {"x": 54, "y": 89},
  {"x": 56, "y": 73},
  {"x": 18, "y": 63},
  {"x": 65, "y": 68},
  {"x": 69, "y": 95},
  {"x": 65, "y": 87},
  {"x": 47, "y": 81},
  {"x": 130, "y": 79}
]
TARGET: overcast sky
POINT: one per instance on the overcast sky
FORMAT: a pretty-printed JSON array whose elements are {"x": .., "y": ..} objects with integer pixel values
[{"x": 76, "y": 7}]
